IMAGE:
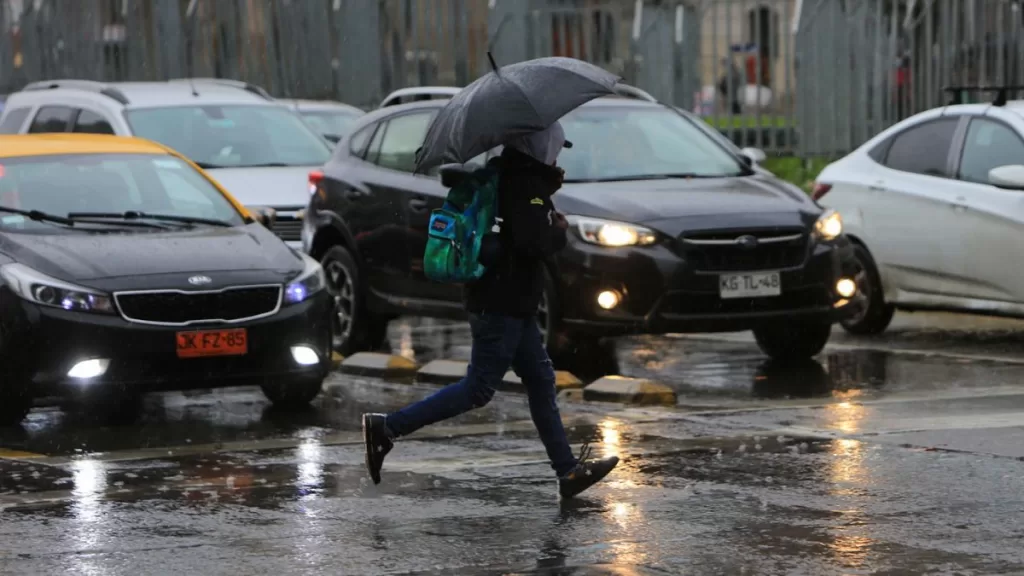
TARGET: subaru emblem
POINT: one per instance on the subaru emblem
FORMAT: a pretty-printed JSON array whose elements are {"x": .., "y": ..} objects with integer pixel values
[
  {"x": 747, "y": 242},
  {"x": 199, "y": 280}
]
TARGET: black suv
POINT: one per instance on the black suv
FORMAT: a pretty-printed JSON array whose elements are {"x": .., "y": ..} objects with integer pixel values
[{"x": 671, "y": 231}]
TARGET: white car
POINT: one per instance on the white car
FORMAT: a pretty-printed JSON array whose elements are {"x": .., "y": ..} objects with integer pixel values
[{"x": 935, "y": 205}]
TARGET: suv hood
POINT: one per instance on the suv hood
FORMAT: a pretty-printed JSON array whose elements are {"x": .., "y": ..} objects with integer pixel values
[
  {"x": 284, "y": 187},
  {"x": 676, "y": 204},
  {"x": 136, "y": 260}
]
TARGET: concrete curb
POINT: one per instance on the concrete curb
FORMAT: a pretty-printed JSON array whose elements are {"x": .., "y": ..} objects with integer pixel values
[
  {"x": 336, "y": 360},
  {"x": 450, "y": 371},
  {"x": 375, "y": 364},
  {"x": 442, "y": 372},
  {"x": 634, "y": 391}
]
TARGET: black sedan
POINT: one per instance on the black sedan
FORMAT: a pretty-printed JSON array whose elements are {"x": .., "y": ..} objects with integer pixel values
[
  {"x": 124, "y": 269},
  {"x": 672, "y": 231}
]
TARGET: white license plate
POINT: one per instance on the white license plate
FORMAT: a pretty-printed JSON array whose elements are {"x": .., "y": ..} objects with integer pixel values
[{"x": 749, "y": 285}]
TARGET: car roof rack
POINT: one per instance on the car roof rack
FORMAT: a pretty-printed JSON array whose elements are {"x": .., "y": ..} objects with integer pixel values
[
  {"x": 424, "y": 92},
  {"x": 1001, "y": 93},
  {"x": 628, "y": 91},
  {"x": 90, "y": 85},
  {"x": 247, "y": 86}
]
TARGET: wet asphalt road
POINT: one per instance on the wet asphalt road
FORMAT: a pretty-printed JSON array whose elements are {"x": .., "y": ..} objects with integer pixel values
[{"x": 893, "y": 455}]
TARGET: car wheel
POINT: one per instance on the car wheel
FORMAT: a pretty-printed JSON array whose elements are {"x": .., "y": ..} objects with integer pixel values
[
  {"x": 874, "y": 315},
  {"x": 793, "y": 340},
  {"x": 353, "y": 328},
  {"x": 292, "y": 394}
]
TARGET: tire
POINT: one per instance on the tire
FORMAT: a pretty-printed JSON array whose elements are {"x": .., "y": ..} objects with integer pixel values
[
  {"x": 353, "y": 327},
  {"x": 292, "y": 394},
  {"x": 790, "y": 341},
  {"x": 585, "y": 356},
  {"x": 875, "y": 315},
  {"x": 14, "y": 407}
]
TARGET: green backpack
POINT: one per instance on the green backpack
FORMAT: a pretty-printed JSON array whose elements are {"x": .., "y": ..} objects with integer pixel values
[{"x": 457, "y": 229}]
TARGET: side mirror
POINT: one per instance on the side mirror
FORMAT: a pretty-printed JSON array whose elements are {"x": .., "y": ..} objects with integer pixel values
[
  {"x": 755, "y": 155},
  {"x": 1010, "y": 177},
  {"x": 264, "y": 215}
]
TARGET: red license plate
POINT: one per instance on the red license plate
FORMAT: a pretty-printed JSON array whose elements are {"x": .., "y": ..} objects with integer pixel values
[{"x": 200, "y": 343}]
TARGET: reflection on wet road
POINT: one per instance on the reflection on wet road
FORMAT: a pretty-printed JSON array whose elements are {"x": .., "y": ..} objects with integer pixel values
[{"x": 863, "y": 461}]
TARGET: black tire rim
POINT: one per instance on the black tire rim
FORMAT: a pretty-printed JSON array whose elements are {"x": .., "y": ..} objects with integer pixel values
[
  {"x": 341, "y": 287},
  {"x": 866, "y": 288}
]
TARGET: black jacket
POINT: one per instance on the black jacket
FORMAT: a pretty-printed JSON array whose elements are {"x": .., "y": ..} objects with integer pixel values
[{"x": 514, "y": 281}]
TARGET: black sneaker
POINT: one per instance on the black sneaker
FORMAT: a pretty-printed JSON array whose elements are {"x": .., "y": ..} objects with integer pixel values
[
  {"x": 585, "y": 474},
  {"x": 377, "y": 442}
]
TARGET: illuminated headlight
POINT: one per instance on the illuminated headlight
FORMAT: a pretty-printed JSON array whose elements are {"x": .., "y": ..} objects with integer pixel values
[
  {"x": 612, "y": 234},
  {"x": 829, "y": 226},
  {"x": 310, "y": 281},
  {"x": 37, "y": 287}
]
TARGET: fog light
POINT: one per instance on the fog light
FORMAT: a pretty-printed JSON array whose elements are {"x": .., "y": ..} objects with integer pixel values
[
  {"x": 608, "y": 299},
  {"x": 305, "y": 356},
  {"x": 846, "y": 287},
  {"x": 89, "y": 368}
]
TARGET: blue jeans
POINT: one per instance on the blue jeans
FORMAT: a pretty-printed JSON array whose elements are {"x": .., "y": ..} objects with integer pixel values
[{"x": 499, "y": 342}]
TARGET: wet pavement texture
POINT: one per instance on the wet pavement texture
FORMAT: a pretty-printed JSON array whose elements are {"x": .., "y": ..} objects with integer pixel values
[{"x": 868, "y": 460}]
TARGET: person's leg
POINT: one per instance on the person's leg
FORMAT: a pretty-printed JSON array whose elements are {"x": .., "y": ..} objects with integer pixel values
[
  {"x": 538, "y": 375},
  {"x": 495, "y": 339}
]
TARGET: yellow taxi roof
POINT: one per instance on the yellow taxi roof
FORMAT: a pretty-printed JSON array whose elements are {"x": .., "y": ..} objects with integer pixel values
[{"x": 53, "y": 144}]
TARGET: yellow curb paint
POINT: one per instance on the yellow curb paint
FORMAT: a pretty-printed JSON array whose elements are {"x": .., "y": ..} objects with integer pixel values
[
  {"x": 19, "y": 455},
  {"x": 384, "y": 366},
  {"x": 563, "y": 380},
  {"x": 634, "y": 391},
  {"x": 336, "y": 360}
]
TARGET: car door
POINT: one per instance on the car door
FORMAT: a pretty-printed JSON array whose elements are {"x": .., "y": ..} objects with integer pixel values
[
  {"x": 992, "y": 218},
  {"x": 911, "y": 215},
  {"x": 417, "y": 195}
]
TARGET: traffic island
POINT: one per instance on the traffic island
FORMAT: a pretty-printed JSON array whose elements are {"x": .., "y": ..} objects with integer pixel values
[
  {"x": 636, "y": 391},
  {"x": 563, "y": 381},
  {"x": 377, "y": 365},
  {"x": 442, "y": 372}
]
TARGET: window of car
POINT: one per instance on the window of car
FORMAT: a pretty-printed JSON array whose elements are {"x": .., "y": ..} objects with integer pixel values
[
  {"x": 989, "y": 145},
  {"x": 11, "y": 124},
  {"x": 51, "y": 119},
  {"x": 625, "y": 143},
  {"x": 357, "y": 143},
  {"x": 153, "y": 183},
  {"x": 233, "y": 136},
  {"x": 330, "y": 122},
  {"x": 89, "y": 122},
  {"x": 924, "y": 148},
  {"x": 403, "y": 136},
  {"x": 373, "y": 150}
]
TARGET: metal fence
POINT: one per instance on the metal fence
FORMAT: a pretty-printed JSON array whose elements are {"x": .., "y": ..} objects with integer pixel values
[{"x": 814, "y": 77}]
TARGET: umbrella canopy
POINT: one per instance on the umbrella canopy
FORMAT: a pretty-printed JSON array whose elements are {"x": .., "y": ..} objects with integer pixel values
[{"x": 509, "y": 102}]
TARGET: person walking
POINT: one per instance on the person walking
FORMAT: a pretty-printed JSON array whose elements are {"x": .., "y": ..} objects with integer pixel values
[{"x": 502, "y": 307}]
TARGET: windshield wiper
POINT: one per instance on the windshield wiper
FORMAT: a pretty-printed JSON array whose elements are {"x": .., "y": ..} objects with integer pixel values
[
  {"x": 208, "y": 166},
  {"x": 39, "y": 216},
  {"x": 132, "y": 215},
  {"x": 268, "y": 165}
]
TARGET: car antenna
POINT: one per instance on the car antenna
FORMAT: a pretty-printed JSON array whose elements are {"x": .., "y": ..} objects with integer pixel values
[{"x": 192, "y": 85}]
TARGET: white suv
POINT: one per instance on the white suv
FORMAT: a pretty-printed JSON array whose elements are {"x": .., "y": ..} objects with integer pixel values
[{"x": 259, "y": 149}]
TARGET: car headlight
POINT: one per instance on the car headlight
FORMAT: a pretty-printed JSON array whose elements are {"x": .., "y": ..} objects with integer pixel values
[
  {"x": 612, "y": 234},
  {"x": 310, "y": 281},
  {"x": 829, "y": 225},
  {"x": 37, "y": 287}
]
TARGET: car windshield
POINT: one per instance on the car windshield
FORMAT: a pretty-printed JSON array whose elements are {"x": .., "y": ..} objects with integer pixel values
[
  {"x": 330, "y": 122},
  {"x": 232, "y": 136},
  {"x": 620, "y": 143},
  {"x": 155, "y": 184}
]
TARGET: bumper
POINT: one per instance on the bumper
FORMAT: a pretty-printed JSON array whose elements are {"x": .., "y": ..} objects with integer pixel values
[
  {"x": 661, "y": 292},
  {"x": 45, "y": 343}
]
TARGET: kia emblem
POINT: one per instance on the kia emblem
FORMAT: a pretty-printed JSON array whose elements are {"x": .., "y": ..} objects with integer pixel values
[
  {"x": 747, "y": 242},
  {"x": 199, "y": 280}
]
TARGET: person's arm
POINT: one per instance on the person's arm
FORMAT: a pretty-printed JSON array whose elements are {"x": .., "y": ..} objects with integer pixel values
[{"x": 535, "y": 229}]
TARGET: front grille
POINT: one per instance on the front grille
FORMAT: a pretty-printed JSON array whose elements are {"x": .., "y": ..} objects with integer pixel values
[
  {"x": 179, "y": 307},
  {"x": 702, "y": 304},
  {"x": 287, "y": 228},
  {"x": 719, "y": 252}
]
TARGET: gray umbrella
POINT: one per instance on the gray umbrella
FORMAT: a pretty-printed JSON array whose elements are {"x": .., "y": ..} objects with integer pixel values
[{"x": 511, "y": 101}]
